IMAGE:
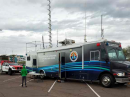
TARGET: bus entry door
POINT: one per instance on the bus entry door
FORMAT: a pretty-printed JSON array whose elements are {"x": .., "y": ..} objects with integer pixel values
[{"x": 62, "y": 65}]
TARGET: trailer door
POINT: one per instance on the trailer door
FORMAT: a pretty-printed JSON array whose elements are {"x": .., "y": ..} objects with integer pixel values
[{"x": 62, "y": 65}]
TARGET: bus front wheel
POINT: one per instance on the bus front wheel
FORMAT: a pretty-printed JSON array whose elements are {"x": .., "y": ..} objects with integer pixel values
[{"x": 107, "y": 80}]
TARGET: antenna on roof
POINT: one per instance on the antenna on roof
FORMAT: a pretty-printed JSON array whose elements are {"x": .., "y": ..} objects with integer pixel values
[
  {"x": 102, "y": 30},
  {"x": 65, "y": 38},
  {"x": 85, "y": 40},
  {"x": 50, "y": 37},
  {"x": 43, "y": 41},
  {"x": 57, "y": 38}
]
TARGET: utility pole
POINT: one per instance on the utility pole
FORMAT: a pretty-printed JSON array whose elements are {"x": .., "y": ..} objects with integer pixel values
[
  {"x": 102, "y": 30},
  {"x": 50, "y": 37}
]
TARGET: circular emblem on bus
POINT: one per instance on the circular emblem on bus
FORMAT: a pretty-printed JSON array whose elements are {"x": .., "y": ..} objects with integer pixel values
[{"x": 73, "y": 56}]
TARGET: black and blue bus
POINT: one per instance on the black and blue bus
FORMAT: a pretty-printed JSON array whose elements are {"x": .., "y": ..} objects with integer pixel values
[{"x": 100, "y": 60}]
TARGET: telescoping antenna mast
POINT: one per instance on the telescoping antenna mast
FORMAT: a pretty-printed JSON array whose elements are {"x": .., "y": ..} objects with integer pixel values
[
  {"x": 85, "y": 40},
  {"x": 57, "y": 38},
  {"x": 43, "y": 42},
  {"x": 102, "y": 30},
  {"x": 50, "y": 37}
]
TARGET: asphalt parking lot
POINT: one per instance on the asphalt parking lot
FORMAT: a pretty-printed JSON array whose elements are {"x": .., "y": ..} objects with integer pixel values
[{"x": 10, "y": 86}]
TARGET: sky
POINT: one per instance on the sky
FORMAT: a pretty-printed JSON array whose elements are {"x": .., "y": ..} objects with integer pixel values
[{"x": 24, "y": 21}]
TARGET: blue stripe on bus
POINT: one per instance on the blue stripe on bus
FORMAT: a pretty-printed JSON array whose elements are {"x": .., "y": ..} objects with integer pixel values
[{"x": 74, "y": 66}]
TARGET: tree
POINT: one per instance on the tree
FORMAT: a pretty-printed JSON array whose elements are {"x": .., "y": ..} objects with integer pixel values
[{"x": 127, "y": 52}]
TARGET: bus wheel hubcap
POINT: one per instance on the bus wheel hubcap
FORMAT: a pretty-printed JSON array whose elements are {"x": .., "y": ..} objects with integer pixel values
[{"x": 106, "y": 81}]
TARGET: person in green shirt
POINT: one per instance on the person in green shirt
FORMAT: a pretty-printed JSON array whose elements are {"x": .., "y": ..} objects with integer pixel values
[{"x": 24, "y": 74}]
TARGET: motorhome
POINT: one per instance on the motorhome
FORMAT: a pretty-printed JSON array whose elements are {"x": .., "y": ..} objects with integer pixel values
[{"x": 101, "y": 60}]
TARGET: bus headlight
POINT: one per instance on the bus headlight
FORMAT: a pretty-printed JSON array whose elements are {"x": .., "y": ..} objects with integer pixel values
[{"x": 120, "y": 74}]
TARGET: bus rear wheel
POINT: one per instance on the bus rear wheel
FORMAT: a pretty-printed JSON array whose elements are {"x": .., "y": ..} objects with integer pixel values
[{"x": 107, "y": 80}]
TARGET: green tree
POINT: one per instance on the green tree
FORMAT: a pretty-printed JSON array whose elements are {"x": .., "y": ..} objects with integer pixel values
[{"x": 127, "y": 52}]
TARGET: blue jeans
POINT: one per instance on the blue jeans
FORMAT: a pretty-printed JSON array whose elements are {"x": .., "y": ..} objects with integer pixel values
[{"x": 23, "y": 80}]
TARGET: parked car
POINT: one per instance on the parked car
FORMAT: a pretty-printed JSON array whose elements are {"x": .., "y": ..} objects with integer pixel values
[{"x": 11, "y": 68}]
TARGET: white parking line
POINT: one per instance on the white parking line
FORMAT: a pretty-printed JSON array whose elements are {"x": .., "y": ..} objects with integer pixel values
[
  {"x": 11, "y": 79},
  {"x": 51, "y": 86},
  {"x": 26, "y": 82},
  {"x": 93, "y": 90}
]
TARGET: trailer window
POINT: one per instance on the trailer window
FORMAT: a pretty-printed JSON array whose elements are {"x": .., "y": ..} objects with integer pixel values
[
  {"x": 34, "y": 62},
  {"x": 94, "y": 55},
  {"x": 28, "y": 58}
]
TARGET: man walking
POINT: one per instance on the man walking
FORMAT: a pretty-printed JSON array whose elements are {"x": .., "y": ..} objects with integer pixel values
[{"x": 24, "y": 74}]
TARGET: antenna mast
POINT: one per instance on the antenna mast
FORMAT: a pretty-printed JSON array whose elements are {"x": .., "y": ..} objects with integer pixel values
[
  {"x": 85, "y": 40},
  {"x": 102, "y": 30},
  {"x": 43, "y": 41},
  {"x": 50, "y": 37},
  {"x": 57, "y": 38}
]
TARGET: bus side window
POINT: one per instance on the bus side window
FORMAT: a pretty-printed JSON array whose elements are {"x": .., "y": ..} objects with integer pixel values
[
  {"x": 97, "y": 55},
  {"x": 94, "y": 55}
]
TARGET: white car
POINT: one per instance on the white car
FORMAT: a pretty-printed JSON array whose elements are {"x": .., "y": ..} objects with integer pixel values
[{"x": 11, "y": 68}]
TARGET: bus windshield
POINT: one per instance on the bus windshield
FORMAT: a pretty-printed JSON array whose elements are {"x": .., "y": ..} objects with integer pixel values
[{"x": 116, "y": 54}]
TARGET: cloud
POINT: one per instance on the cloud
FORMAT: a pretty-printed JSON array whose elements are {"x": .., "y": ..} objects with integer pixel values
[
  {"x": 25, "y": 26},
  {"x": 116, "y": 8},
  {"x": 23, "y": 21}
]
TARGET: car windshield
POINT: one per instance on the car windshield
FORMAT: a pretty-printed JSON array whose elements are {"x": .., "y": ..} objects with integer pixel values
[
  {"x": 13, "y": 64},
  {"x": 116, "y": 54}
]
